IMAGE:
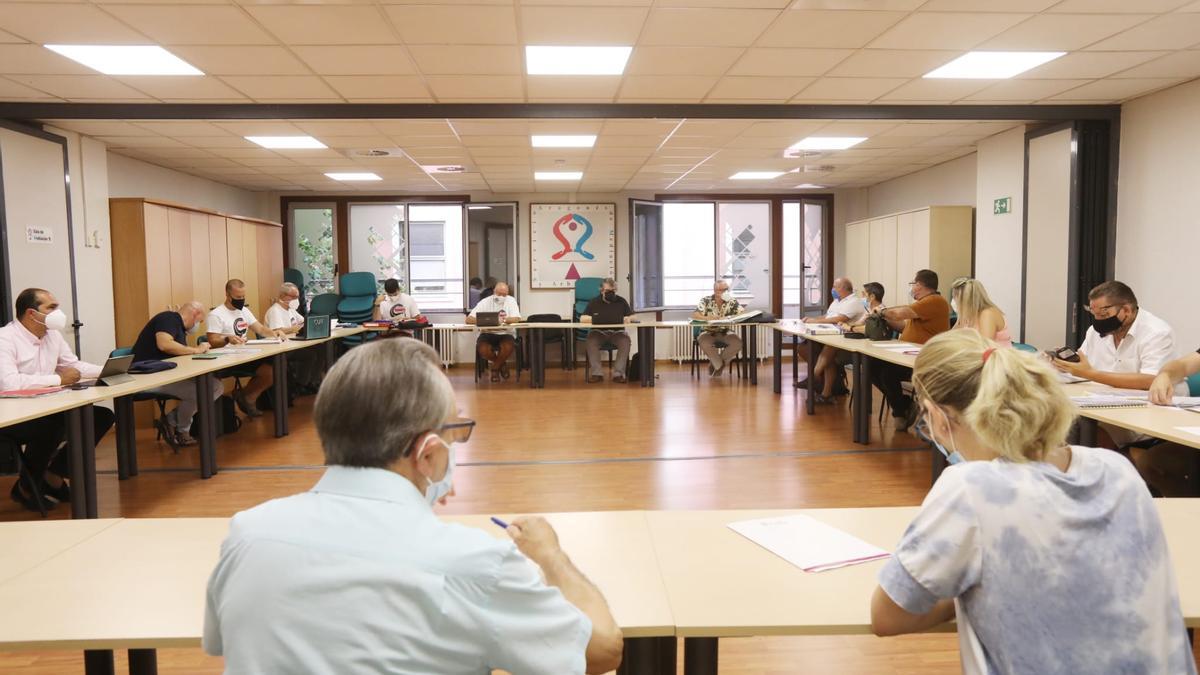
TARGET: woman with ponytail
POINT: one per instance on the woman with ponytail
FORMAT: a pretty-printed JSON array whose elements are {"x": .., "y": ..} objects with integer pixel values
[{"x": 1051, "y": 557}]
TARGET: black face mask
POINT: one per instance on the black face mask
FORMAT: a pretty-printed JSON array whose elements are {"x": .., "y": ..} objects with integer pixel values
[
  {"x": 1106, "y": 326},
  {"x": 237, "y": 303},
  {"x": 609, "y": 295}
]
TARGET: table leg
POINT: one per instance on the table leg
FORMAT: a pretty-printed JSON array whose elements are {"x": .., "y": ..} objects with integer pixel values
[
  {"x": 700, "y": 656},
  {"x": 777, "y": 363},
  {"x": 541, "y": 343},
  {"x": 78, "y": 471},
  {"x": 126, "y": 440},
  {"x": 143, "y": 662},
  {"x": 646, "y": 354},
  {"x": 207, "y": 425},
  {"x": 99, "y": 662},
  {"x": 752, "y": 330},
  {"x": 796, "y": 383},
  {"x": 87, "y": 421},
  {"x": 648, "y": 656},
  {"x": 810, "y": 404},
  {"x": 865, "y": 403},
  {"x": 279, "y": 363},
  {"x": 856, "y": 397}
]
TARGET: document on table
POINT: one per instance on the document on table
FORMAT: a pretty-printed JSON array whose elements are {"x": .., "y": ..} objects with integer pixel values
[
  {"x": 808, "y": 543},
  {"x": 1195, "y": 431},
  {"x": 898, "y": 346},
  {"x": 264, "y": 341},
  {"x": 233, "y": 350},
  {"x": 1094, "y": 400},
  {"x": 821, "y": 329}
]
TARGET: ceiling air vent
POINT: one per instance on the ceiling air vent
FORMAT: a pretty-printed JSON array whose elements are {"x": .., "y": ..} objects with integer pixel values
[
  {"x": 374, "y": 153},
  {"x": 818, "y": 168}
]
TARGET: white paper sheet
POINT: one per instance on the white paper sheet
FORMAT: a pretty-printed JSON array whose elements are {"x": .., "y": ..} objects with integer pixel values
[
  {"x": 1195, "y": 431},
  {"x": 808, "y": 543}
]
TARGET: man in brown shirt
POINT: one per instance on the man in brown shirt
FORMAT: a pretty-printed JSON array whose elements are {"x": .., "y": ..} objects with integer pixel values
[{"x": 927, "y": 316}]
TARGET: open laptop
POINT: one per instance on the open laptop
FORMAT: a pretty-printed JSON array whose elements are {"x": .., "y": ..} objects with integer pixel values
[
  {"x": 609, "y": 314},
  {"x": 487, "y": 319},
  {"x": 115, "y": 371},
  {"x": 316, "y": 327}
]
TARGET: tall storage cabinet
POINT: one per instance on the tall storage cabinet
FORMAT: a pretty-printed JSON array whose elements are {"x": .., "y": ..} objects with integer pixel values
[
  {"x": 890, "y": 249},
  {"x": 166, "y": 254}
]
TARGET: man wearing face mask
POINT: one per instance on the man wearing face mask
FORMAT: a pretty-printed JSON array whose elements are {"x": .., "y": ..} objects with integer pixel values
[
  {"x": 34, "y": 354},
  {"x": 164, "y": 336},
  {"x": 284, "y": 316},
  {"x": 394, "y": 305},
  {"x": 496, "y": 345},
  {"x": 719, "y": 305},
  {"x": 848, "y": 309},
  {"x": 597, "y": 338},
  {"x": 1125, "y": 347},
  {"x": 231, "y": 323},
  {"x": 927, "y": 316},
  {"x": 359, "y": 575}
]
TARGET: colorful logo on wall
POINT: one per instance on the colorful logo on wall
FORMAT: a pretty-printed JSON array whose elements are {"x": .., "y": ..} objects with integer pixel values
[
  {"x": 576, "y": 224},
  {"x": 571, "y": 241}
]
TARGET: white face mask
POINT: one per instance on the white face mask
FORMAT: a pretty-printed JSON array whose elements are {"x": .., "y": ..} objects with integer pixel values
[
  {"x": 195, "y": 328},
  {"x": 55, "y": 320},
  {"x": 435, "y": 490},
  {"x": 395, "y": 297},
  {"x": 294, "y": 304},
  {"x": 727, "y": 296}
]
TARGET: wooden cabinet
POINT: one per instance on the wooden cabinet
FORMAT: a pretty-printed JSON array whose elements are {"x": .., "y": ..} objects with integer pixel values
[
  {"x": 890, "y": 249},
  {"x": 166, "y": 254}
]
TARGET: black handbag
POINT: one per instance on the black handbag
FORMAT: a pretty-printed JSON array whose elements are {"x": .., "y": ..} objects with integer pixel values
[{"x": 877, "y": 328}]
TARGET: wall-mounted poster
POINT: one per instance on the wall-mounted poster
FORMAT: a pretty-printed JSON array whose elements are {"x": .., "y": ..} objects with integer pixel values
[{"x": 571, "y": 241}]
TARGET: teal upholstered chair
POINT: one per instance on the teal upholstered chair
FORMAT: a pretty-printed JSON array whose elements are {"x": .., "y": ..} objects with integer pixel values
[
  {"x": 1194, "y": 385},
  {"x": 358, "y": 293},
  {"x": 586, "y": 290}
]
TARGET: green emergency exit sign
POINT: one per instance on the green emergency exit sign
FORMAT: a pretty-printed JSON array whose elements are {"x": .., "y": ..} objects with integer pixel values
[{"x": 1002, "y": 205}]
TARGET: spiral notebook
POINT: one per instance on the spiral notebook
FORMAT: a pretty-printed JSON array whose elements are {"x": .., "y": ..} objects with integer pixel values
[{"x": 1102, "y": 401}]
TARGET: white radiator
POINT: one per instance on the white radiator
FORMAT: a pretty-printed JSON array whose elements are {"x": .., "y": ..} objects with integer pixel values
[
  {"x": 681, "y": 343},
  {"x": 441, "y": 338}
]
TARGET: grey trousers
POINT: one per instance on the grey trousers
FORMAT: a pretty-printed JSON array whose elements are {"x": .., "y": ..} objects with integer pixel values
[
  {"x": 716, "y": 357},
  {"x": 618, "y": 339},
  {"x": 185, "y": 391}
]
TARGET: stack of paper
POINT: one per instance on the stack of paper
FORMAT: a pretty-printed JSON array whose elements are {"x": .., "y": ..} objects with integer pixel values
[
  {"x": 29, "y": 393},
  {"x": 822, "y": 329},
  {"x": 808, "y": 543}
]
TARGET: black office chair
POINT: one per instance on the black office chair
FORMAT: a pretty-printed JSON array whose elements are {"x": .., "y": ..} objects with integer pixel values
[
  {"x": 160, "y": 400},
  {"x": 698, "y": 357},
  {"x": 558, "y": 337}
]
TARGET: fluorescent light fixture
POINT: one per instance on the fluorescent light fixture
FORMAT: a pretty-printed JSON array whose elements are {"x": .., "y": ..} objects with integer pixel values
[
  {"x": 287, "y": 142},
  {"x": 353, "y": 176},
  {"x": 546, "y": 60},
  {"x": 992, "y": 65},
  {"x": 127, "y": 59},
  {"x": 756, "y": 175},
  {"x": 551, "y": 141},
  {"x": 443, "y": 168},
  {"x": 557, "y": 175},
  {"x": 809, "y": 186},
  {"x": 478, "y": 208},
  {"x": 828, "y": 143}
]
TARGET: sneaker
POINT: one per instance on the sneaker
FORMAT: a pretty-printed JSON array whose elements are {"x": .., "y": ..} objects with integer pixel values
[
  {"x": 246, "y": 406},
  {"x": 495, "y": 376},
  {"x": 184, "y": 439},
  {"x": 504, "y": 371},
  {"x": 593, "y": 379},
  {"x": 29, "y": 501},
  {"x": 619, "y": 379},
  {"x": 900, "y": 422},
  {"x": 60, "y": 494},
  {"x": 821, "y": 399},
  {"x": 167, "y": 431},
  {"x": 716, "y": 372}
]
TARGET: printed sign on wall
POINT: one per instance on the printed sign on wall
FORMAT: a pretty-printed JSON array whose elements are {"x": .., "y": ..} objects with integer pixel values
[
  {"x": 38, "y": 235},
  {"x": 571, "y": 241}
]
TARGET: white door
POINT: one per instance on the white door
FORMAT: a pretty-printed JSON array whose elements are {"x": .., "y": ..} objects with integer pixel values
[{"x": 1048, "y": 232}]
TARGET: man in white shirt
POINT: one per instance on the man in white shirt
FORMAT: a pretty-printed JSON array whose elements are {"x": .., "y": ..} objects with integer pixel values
[
  {"x": 231, "y": 323},
  {"x": 1125, "y": 347},
  {"x": 359, "y": 574},
  {"x": 34, "y": 354},
  {"x": 846, "y": 308},
  {"x": 495, "y": 345},
  {"x": 394, "y": 305},
  {"x": 284, "y": 316}
]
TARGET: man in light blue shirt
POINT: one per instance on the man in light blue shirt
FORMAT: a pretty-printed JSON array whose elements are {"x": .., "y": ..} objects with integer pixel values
[{"x": 359, "y": 576}]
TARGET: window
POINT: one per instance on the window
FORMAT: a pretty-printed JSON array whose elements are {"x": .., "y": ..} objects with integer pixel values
[
  {"x": 804, "y": 258},
  {"x": 689, "y": 252},
  {"x": 314, "y": 247},
  {"x": 428, "y": 239},
  {"x": 419, "y": 244}
]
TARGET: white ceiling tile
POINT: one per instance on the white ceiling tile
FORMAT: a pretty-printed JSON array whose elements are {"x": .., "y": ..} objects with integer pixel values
[
  {"x": 681, "y": 60},
  {"x": 467, "y": 59},
  {"x": 80, "y": 86},
  {"x": 148, "y": 141},
  {"x": 1175, "y": 31},
  {"x": 892, "y": 63},
  {"x": 782, "y": 62},
  {"x": 260, "y": 128},
  {"x": 29, "y": 59},
  {"x": 1024, "y": 91},
  {"x": 192, "y": 25},
  {"x": 467, "y": 87},
  {"x": 448, "y": 25},
  {"x": 99, "y": 128},
  {"x": 827, "y": 28},
  {"x": 218, "y": 144},
  {"x": 566, "y": 87},
  {"x": 322, "y": 128},
  {"x": 581, "y": 25},
  {"x": 666, "y": 87},
  {"x": 565, "y": 126},
  {"x": 18, "y": 92},
  {"x": 495, "y": 141},
  {"x": 937, "y": 30},
  {"x": 412, "y": 127},
  {"x": 379, "y": 87},
  {"x": 324, "y": 25},
  {"x": 1179, "y": 64},
  {"x": 9, "y": 38},
  {"x": 1194, "y": 7},
  {"x": 183, "y": 88},
  {"x": 284, "y": 88},
  {"x": 936, "y": 91},
  {"x": 1117, "y": 6},
  {"x": 1088, "y": 65},
  {"x": 1066, "y": 32},
  {"x": 228, "y": 60},
  {"x": 790, "y": 129},
  {"x": 704, "y": 27},
  {"x": 1115, "y": 90},
  {"x": 1018, "y": 6},
  {"x": 856, "y": 128},
  {"x": 65, "y": 24},
  {"x": 759, "y": 88},
  {"x": 357, "y": 60},
  {"x": 861, "y": 89}
]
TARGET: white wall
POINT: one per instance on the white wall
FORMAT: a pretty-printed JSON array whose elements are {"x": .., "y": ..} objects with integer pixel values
[
  {"x": 1000, "y": 172},
  {"x": 949, "y": 184},
  {"x": 132, "y": 178},
  {"x": 1158, "y": 224}
]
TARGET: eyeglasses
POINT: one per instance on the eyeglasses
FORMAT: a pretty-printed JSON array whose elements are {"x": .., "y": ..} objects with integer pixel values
[
  {"x": 1102, "y": 310},
  {"x": 457, "y": 432}
]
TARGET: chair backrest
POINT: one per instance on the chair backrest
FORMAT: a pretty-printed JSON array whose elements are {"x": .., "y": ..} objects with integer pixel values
[
  {"x": 586, "y": 290},
  {"x": 544, "y": 318},
  {"x": 121, "y": 351},
  {"x": 1025, "y": 347},
  {"x": 357, "y": 296},
  {"x": 295, "y": 276},
  {"x": 325, "y": 304},
  {"x": 1194, "y": 385}
]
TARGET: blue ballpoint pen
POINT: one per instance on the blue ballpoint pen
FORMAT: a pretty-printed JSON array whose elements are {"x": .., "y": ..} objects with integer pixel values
[{"x": 501, "y": 523}]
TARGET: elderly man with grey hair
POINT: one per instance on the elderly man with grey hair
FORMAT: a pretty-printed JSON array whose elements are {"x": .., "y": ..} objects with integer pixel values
[
  {"x": 164, "y": 336},
  {"x": 284, "y": 314},
  {"x": 359, "y": 575},
  {"x": 607, "y": 308}
]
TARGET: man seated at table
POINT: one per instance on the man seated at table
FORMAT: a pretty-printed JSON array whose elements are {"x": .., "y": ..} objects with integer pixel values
[
  {"x": 164, "y": 336},
  {"x": 928, "y": 315},
  {"x": 597, "y": 337},
  {"x": 284, "y": 317},
  {"x": 34, "y": 354},
  {"x": 1172, "y": 469},
  {"x": 231, "y": 323},
  {"x": 721, "y": 304},
  {"x": 846, "y": 308},
  {"x": 1125, "y": 347},
  {"x": 495, "y": 345},
  {"x": 359, "y": 575},
  {"x": 395, "y": 305}
]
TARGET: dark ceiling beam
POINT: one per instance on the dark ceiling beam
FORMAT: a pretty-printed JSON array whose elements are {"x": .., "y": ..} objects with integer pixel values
[{"x": 261, "y": 111}]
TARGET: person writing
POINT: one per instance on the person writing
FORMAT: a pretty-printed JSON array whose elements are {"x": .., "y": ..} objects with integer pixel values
[
  {"x": 495, "y": 346},
  {"x": 976, "y": 310},
  {"x": 230, "y": 323},
  {"x": 1051, "y": 557}
]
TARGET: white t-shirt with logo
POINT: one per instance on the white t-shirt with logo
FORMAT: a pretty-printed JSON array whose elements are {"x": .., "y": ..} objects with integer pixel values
[
  {"x": 399, "y": 308},
  {"x": 507, "y": 306},
  {"x": 230, "y": 321},
  {"x": 282, "y": 317}
]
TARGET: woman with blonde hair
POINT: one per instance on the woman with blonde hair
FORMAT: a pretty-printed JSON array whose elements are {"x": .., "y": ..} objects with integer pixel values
[
  {"x": 976, "y": 310},
  {"x": 1051, "y": 557}
]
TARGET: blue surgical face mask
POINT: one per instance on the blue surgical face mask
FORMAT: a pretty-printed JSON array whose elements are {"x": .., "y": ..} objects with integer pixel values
[
  {"x": 435, "y": 490},
  {"x": 866, "y": 304},
  {"x": 952, "y": 456}
]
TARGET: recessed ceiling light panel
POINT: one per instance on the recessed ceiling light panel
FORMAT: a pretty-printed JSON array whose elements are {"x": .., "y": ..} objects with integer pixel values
[
  {"x": 756, "y": 175},
  {"x": 826, "y": 143},
  {"x": 562, "y": 141},
  {"x": 549, "y": 60},
  {"x": 991, "y": 65},
  {"x": 287, "y": 142},
  {"x": 353, "y": 176},
  {"x": 127, "y": 59},
  {"x": 557, "y": 175}
]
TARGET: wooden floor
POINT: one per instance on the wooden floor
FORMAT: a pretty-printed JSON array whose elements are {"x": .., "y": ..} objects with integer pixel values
[{"x": 685, "y": 444}]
